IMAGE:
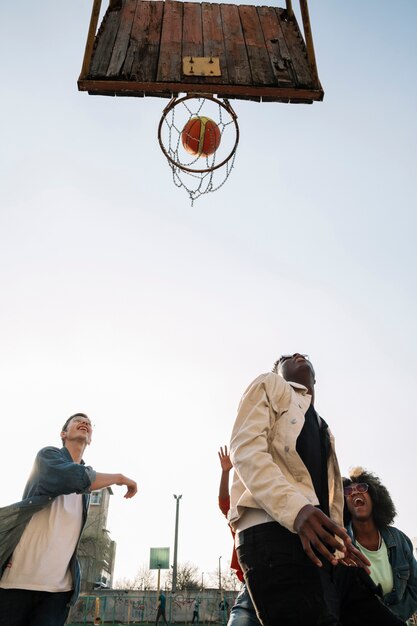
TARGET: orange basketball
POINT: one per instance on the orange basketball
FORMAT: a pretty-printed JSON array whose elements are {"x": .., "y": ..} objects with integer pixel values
[{"x": 200, "y": 136}]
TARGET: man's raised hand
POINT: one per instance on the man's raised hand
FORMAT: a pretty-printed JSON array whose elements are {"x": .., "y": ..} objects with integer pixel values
[{"x": 225, "y": 461}]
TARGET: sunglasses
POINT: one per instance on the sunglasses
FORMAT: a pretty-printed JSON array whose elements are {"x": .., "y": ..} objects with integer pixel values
[
  {"x": 358, "y": 488},
  {"x": 82, "y": 420}
]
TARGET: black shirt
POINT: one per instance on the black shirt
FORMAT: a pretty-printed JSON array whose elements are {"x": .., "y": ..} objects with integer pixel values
[{"x": 313, "y": 447}]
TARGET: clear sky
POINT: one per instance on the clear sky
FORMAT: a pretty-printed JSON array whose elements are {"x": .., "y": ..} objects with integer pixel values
[{"x": 121, "y": 300}]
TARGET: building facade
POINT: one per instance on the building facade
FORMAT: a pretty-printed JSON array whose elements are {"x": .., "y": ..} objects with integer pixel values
[{"x": 97, "y": 551}]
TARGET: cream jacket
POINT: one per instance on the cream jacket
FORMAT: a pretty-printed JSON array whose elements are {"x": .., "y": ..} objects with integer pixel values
[{"x": 269, "y": 474}]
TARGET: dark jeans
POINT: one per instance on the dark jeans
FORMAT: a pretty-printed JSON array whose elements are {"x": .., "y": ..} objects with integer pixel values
[
  {"x": 360, "y": 599},
  {"x": 161, "y": 613},
  {"x": 285, "y": 586},
  {"x": 287, "y": 589},
  {"x": 23, "y": 607}
]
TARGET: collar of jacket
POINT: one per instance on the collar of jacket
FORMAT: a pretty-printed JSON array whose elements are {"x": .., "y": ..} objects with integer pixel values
[
  {"x": 299, "y": 387},
  {"x": 387, "y": 535},
  {"x": 65, "y": 452}
]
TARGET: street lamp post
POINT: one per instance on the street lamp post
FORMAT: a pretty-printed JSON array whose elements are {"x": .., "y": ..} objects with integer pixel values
[
  {"x": 175, "y": 567},
  {"x": 202, "y": 581},
  {"x": 220, "y": 576}
]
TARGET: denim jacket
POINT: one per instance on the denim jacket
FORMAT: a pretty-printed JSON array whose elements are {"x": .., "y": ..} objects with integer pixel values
[
  {"x": 54, "y": 473},
  {"x": 402, "y": 600}
]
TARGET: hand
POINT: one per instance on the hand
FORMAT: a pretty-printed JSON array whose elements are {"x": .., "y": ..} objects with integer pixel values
[
  {"x": 130, "y": 484},
  {"x": 225, "y": 461},
  {"x": 354, "y": 558},
  {"x": 319, "y": 532}
]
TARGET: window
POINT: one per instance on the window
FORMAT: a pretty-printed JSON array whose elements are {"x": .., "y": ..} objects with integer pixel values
[{"x": 95, "y": 497}]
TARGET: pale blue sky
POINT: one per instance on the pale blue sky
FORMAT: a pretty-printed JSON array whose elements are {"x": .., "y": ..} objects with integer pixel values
[{"x": 120, "y": 299}]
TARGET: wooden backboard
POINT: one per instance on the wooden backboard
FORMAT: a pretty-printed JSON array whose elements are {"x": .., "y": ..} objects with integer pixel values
[{"x": 140, "y": 47}]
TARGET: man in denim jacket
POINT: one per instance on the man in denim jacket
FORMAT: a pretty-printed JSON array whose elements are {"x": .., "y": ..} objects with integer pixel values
[{"x": 40, "y": 573}]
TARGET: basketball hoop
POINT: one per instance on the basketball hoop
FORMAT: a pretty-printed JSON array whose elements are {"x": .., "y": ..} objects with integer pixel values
[{"x": 199, "y": 173}]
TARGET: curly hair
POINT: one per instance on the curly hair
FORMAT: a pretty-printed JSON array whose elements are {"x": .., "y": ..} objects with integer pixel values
[{"x": 383, "y": 508}]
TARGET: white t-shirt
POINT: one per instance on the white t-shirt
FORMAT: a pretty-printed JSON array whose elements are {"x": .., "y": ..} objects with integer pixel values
[{"x": 41, "y": 559}]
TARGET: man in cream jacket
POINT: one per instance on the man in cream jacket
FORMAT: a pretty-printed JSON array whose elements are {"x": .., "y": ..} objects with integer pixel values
[{"x": 287, "y": 498}]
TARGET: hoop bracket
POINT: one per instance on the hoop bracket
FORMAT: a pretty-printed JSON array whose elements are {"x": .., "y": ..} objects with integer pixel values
[{"x": 201, "y": 66}]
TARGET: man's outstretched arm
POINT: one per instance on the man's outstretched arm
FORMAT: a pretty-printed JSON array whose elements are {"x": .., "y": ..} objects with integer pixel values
[{"x": 103, "y": 480}]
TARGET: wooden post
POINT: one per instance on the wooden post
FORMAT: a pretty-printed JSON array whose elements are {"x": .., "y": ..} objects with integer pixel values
[
  {"x": 289, "y": 8},
  {"x": 309, "y": 42},
  {"x": 95, "y": 13}
]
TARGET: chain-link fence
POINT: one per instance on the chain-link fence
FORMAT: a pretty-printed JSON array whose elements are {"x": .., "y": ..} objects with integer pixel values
[{"x": 134, "y": 607}]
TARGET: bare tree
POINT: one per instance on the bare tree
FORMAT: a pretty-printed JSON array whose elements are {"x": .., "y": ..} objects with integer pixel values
[
  {"x": 123, "y": 583},
  {"x": 229, "y": 580},
  {"x": 187, "y": 577},
  {"x": 143, "y": 580}
]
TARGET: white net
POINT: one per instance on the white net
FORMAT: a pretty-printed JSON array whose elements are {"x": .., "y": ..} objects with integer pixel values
[{"x": 198, "y": 173}]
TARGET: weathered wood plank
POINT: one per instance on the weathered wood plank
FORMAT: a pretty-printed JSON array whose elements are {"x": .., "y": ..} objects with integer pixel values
[
  {"x": 261, "y": 69},
  {"x": 166, "y": 89},
  {"x": 297, "y": 52},
  {"x": 236, "y": 55},
  {"x": 121, "y": 43},
  {"x": 192, "y": 42},
  {"x": 213, "y": 39},
  {"x": 275, "y": 44},
  {"x": 170, "y": 60},
  {"x": 192, "y": 30},
  {"x": 104, "y": 44},
  {"x": 141, "y": 62}
]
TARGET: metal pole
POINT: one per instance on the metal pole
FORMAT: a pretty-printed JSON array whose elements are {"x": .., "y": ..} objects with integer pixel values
[
  {"x": 175, "y": 567},
  {"x": 220, "y": 577}
]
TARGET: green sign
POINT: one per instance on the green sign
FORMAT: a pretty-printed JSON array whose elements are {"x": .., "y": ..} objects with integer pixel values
[{"x": 159, "y": 558}]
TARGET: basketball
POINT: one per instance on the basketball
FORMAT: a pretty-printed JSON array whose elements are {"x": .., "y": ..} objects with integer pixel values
[{"x": 200, "y": 136}]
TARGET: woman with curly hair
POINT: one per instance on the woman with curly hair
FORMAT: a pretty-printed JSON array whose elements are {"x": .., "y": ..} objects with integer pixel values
[{"x": 369, "y": 514}]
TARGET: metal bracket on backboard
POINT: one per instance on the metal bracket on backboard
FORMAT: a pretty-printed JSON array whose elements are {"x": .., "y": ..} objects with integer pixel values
[{"x": 201, "y": 66}]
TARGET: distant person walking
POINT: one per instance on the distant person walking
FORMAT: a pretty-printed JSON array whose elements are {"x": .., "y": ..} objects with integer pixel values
[
  {"x": 161, "y": 608},
  {"x": 39, "y": 570},
  {"x": 196, "y": 612}
]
